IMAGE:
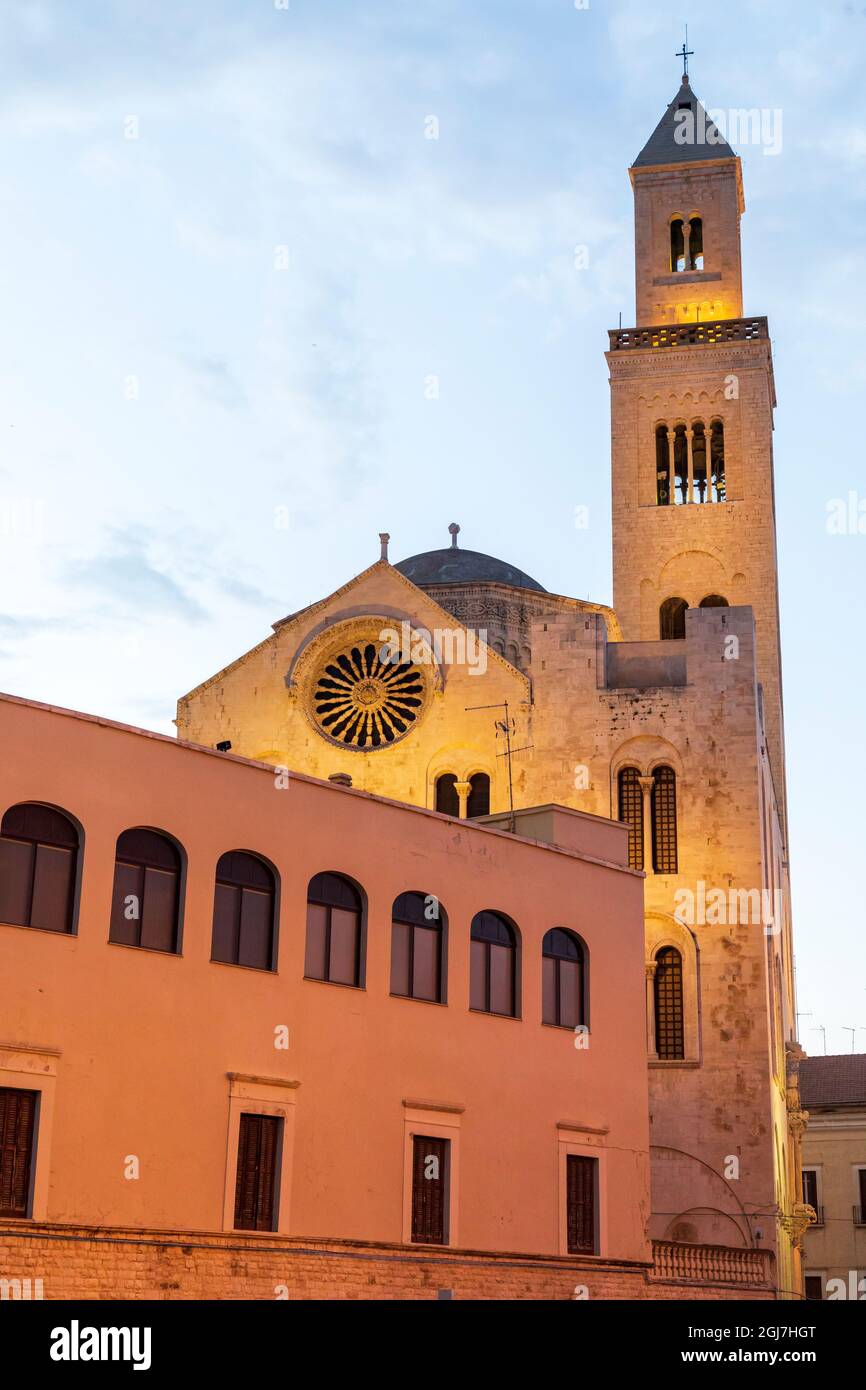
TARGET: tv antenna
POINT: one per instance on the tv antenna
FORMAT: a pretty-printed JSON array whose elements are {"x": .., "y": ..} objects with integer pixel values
[
  {"x": 853, "y": 1032},
  {"x": 505, "y": 727},
  {"x": 819, "y": 1028}
]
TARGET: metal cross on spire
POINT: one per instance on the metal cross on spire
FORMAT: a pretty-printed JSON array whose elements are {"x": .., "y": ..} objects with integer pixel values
[{"x": 685, "y": 53}]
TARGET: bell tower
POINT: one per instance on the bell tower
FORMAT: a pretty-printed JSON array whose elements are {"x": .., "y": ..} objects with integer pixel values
[
  {"x": 688, "y": 200},
  {"x": 692, "y": 400}
]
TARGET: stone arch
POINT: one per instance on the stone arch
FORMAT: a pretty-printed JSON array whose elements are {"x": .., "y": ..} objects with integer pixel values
[
  {"x": 464, "y": 763},
  {"x": 705, "y": 1226},
  {"x": 645, "y": 751},
  {"x": 687, "y": 1190},
  {"x": 690, "y": 574},
  {"x": 662, "y": 930}
]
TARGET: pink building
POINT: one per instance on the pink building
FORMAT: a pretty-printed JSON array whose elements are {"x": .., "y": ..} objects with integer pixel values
[{"x": 280, "y": 1017}]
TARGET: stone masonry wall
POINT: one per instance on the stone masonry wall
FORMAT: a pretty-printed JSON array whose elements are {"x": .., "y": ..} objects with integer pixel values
[{"x": 108, "y": 1263}]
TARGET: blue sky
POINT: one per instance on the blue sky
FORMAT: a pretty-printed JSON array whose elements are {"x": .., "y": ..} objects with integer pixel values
[{"x": 167, "y": 392}]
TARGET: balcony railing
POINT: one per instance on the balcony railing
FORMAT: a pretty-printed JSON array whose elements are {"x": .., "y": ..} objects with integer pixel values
[
  {"x": 860, "y": 1216},
  {"x": 710, "y": 1264},
  {"x": 675, "y": 335}
]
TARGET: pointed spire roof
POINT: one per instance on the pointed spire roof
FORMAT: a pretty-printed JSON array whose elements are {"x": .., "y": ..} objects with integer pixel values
[{"x": 684, "y": 139}]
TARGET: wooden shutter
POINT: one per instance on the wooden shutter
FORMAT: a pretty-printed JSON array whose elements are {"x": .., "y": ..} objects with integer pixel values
[
  {"x": 16, "y": 881},
  {"x": 159, "y": 913},
  {"x": 128, "y": 884},
  {"x": 581, "y": 1185},
  {"x": 17, "y": 1122},
  {"x": 225, "y": 939},
  {"x": 430, "y": 1183},
  {"x": 258, "y": 1156}
]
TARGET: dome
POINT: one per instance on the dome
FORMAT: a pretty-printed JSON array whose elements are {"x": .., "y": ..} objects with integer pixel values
[{"x": 456, "y": 566}]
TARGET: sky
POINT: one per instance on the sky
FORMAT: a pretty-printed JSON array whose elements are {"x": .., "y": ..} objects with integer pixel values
[{"x": 252, "y": 314}]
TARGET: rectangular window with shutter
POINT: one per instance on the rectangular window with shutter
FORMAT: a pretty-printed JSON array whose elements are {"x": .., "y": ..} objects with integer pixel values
[
  {"x": 814, "y": 1287},
  {"x": 257, "y": 1188},
  {"x": 431, "y": 1177},
  {"x": 581, "y": 1198},
  {"x": 810, "y": 1187},
  {"x": 17, "y": 1133}
]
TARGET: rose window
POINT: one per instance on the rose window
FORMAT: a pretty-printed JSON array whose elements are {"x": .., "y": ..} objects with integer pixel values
[{"x": 363, "y": 701}]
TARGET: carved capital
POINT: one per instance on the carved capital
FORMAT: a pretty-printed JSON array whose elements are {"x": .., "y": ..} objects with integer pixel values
[{"x": 795, "y": 1223}]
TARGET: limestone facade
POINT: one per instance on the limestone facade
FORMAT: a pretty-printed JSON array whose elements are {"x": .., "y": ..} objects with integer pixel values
[{"x": 591, "y": 691}]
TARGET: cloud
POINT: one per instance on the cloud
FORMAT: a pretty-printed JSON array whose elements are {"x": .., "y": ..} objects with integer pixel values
[
  {"x": 215, "y": 381},
  {"x": 129, "y": 582}
]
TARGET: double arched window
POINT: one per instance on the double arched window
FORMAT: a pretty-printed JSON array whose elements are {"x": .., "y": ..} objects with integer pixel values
[
  {"x": 563, "y": 979},
  {"x": 687, "y": 244},
  {"x": 145, "y": 904},
  {"x": 661, "y": 789},
  {"x": 417, "y": 947},
  {"x": 672, "y": 615},
  {"x": 244, "y": 911},
  {"x": 493, "y": 965},
  {"x": 477, "y": 801},
  {"x": 668, "y": 1001},
  {"x": 39, "y": 850},
  {"x": 334, "y": 931}
]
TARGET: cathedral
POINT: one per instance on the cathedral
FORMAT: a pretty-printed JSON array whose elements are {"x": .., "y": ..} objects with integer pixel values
[
  {"x": 446, "y": 950},
  {"x": 452, "y": 680}
]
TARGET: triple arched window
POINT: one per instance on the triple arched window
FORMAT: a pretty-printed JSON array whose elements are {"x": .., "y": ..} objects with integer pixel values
[
  {"x": 649, "y": 804},
  {"x": 39, "y": 849},
  {"x": 690, "y": 462}
]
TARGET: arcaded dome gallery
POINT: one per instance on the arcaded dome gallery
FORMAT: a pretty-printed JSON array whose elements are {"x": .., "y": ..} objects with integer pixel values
[{"x": 371, "y": 983}]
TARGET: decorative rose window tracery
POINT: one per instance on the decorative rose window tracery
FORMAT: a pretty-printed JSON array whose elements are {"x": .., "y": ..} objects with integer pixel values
[{"x": 362, "y": 701}]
